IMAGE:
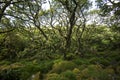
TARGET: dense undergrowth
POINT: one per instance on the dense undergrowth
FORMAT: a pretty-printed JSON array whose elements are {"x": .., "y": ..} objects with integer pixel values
[
  {"x": 99, "y": 67},
  {"x": 28, "y": 56}
]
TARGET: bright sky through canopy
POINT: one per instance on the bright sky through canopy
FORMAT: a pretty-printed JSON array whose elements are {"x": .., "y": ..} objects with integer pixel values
[{"x": 46, "y": 5}]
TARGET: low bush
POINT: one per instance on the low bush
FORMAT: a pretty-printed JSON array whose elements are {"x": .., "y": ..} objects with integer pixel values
[
  {"x": 69, "y": 74},
  {"x": 63, "y": 66},
  {"x": 100, "y": 60},
  {"x": 55, "y": 76},
  {"x": 96, "y": 72},
  {"x": 81, "y": 61},
  {"x": 91, "y": 71},
  {"x": 76, "y": 71}
]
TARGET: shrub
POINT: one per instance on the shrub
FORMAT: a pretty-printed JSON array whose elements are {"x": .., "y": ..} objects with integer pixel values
[
  {"x": 70, "y": 56},
  {"x": 118, "y": 69},
  {"x": 57, "y": 61},
  {"x": 10, "y": 74},
  {"x": 106, "y": 74},
  {"x": 63, "y": 66},
  {"x": 11, "y": 46},
  {"x": 45, "y": 66},
  {"x": 76, "y": 71},
  {"x": 99, "y": 60},
  {"x": 81, "y": 61},
  {"x": 69, "y": 74},
  {"x": 32, "y": 68},
  {"x": 55, "y": 76},
  {"x": 82, "y": 67},
  {"x": 35, "y": 76},
  {"x": 91, "y": 71},
  {"x": 96, "y": 72}
]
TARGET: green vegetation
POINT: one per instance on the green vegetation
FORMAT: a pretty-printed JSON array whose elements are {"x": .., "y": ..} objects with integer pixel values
[{"x": 59, "y": 43}]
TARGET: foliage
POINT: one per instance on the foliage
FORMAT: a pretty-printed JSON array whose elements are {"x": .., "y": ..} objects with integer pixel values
[
  {"x": 69, "y": 74},
  {"x": 81, "y": 61},
  {"x": 63, "y": 66},
  {"x": 96, "y": 72},
  {"x": 12, "y": 44},
  {"x": 55, "y": 76},
  {"x": 76, "y": 71}
]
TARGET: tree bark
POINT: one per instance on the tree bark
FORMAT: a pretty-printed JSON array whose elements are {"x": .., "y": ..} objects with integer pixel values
[{"x": 72, "y": 23}]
